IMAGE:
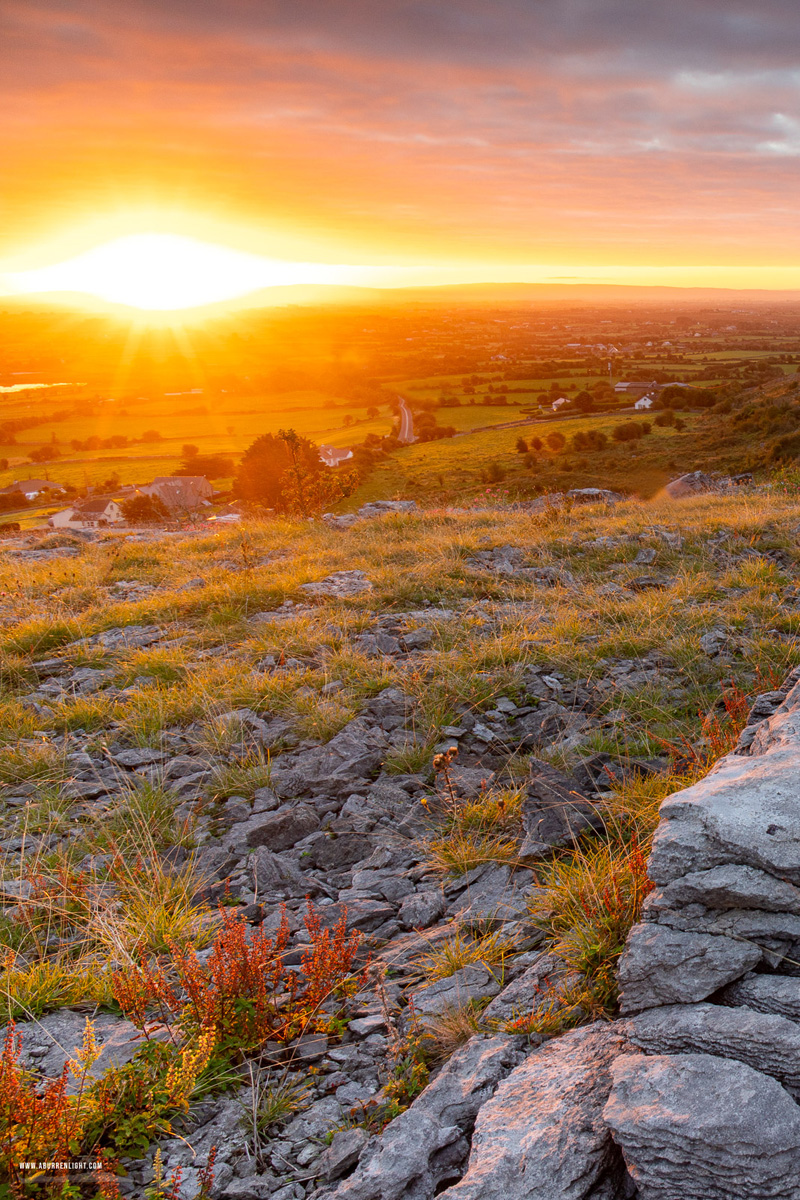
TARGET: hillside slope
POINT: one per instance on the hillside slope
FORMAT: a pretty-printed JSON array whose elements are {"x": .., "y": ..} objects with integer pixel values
[{"x": 204, "y": 732}]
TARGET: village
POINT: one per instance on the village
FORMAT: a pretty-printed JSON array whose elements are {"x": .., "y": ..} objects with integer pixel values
[{"x": 168, "y": 498}]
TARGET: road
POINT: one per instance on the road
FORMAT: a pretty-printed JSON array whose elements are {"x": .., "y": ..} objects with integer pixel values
[{"x": 406, "y": 433}]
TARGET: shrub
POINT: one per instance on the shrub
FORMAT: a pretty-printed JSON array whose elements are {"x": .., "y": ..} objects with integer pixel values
[
  {"x": 522, "y": 446},
  {"x": 144, "y": 510},
  {"x": 628, "y": 431},
  {"x": 556, "y": 441},
  {"x": 284, "y": 471},
  {"x": 245, "y": 993}
]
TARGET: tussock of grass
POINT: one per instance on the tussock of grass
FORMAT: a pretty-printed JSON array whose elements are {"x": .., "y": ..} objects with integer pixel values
[
  {"x": 492, "y": 950},
  {"x": 241, "y": 778}
]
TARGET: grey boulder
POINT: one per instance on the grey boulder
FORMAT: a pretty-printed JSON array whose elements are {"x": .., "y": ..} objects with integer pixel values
[
  {"x": 542, "y": 1135},
  {"x": 698, "y": 1127},
  {"x": 427, "y": 1145},
  {"x": 764, "y": 1041},
  {"x": 666, "y": 966}
]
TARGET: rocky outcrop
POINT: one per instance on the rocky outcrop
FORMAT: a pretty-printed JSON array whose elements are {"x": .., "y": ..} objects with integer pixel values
[
  {"x": 542, "y": 1135},
  {"x": 428, "y": 1143},
  {"x": 709, "y": 1110}
]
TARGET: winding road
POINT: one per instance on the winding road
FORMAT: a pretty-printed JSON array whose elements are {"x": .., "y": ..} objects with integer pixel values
[{"x": 406, "y": 433}]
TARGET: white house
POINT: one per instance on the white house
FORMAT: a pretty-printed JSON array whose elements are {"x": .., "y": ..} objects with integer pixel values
[
  {"x": 559, "y": 403},
  {"x": 645, "y": 402},
  {"x": 94, "y": 513},
  {"x": 333, "y": 455}
]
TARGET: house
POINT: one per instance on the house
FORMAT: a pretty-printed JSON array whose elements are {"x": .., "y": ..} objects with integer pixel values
[
  {"x": 180, "y": 492},
  {"x": 95, "y": 513},
  {"x": 559, "y": 403},
  {"x": 645, "y": 401},
  {"x": 333, "y": 455},
  {"x": 31, "y": 488}
]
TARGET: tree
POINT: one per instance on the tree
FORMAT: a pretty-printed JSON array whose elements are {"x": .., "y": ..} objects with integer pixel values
[
  {"x": 213, "y": 466},
  {"x": 584, "y": 402},
  {"x": 537, "y": 444},
  {"x": 372, "y": 412},
  {"x": 522, "y": 446},
  {"x": 556, "y": 440},
  {"x": 150, "y": 435},
  {"x": 190, "y": 451},
  {"x": 284, "y": 471},
  {"x": 144, "y": 510},
  {"x": 44, "y": 454}
]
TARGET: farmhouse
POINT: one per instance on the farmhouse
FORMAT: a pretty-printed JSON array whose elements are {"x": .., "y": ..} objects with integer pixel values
[
  {"x": 559, "y": 403},
  {"x": 31, "y": 488},
  {"x": 180, "y": 492},
  {"x": 645, "y": 401},
  {"x": 333, "y": 455},
  {"x": 95, "y": 513}
]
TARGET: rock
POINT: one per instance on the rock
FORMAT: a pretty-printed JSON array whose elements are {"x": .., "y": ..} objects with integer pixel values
[
  {"x": 540, "y": 986},
  {"x": 421, "y": 909},
  {"x": 131, "y": 637},
  {"x": 697, "y": 1127},
  {"x": 355, "y": 753},
  {"x": 594, "y": 496},
  {"x": 426, "y": 1145},
  {"x": 336, "y": 850},
  {"x": 281, "y": 830},
  {"x": 340, "y": 585},
  {"x": 498, "y": 894},
  {"x": 377, "y": 508},
  {"x": 554, "y": 812},
  {"x": 744, "y": 811},
  {"x": 542, "y": 1135},
  {"x": 470, "y": 782},
  {"x": 714, "y": 642},
  {"x": 343, "y": 1153},
  {"x": 471, "y": 983},
  {"x": 364, "y": 1026},
  {"x": 272, "y": 873},
  {"x": 365, "y": 915},
  {"x": 765, "y": 993},
  {"x": 768, "y": 1043},
  {"x": 666, "y": 966},
  {"x": 690, "y": 485},
  {"x": 53, "y": 1039},
  {"x": 731, "y": 886},
  {"x": 647, "y": 583}
]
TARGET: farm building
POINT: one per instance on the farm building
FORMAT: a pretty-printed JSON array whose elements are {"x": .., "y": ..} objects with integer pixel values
[
  {"x": 333, "y": 455},
  {"x": 94, "y": 513},
  {"x": 180, "y": 492}
]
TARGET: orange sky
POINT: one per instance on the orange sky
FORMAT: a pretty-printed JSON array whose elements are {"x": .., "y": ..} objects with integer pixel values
[{"x": 552, "y": 138}]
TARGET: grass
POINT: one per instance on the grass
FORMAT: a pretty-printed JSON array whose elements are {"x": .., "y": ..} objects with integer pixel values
[
  {"x": 492, "y": 636},
  {"x": 241, "y": 778},
  {"x": 492, "y": 950}
]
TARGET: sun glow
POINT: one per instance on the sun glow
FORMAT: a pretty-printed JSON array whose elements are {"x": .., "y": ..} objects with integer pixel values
[{"x": 165, "y": 272}]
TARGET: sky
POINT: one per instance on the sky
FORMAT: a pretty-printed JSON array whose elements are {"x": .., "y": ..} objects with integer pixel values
[{"x": 556, "y": 140}]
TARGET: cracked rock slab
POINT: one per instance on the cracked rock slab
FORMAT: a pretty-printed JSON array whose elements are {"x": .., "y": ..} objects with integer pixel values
[
  {"x": 698, "y": 1127},
  {"x": 427, "y": 1144},
  {"x": 542, "y": 1135},
  {"x": 768, "y": 1043},
  {"x": 667, "y": 966},
  {"x": 779, "y": 994}
]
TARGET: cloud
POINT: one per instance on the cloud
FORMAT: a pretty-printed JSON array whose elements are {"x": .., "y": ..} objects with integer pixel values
[{"x": 545, "y": 121}]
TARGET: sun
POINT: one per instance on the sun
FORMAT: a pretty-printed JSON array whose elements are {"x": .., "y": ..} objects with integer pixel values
[{"x": 164, "y": 272}]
